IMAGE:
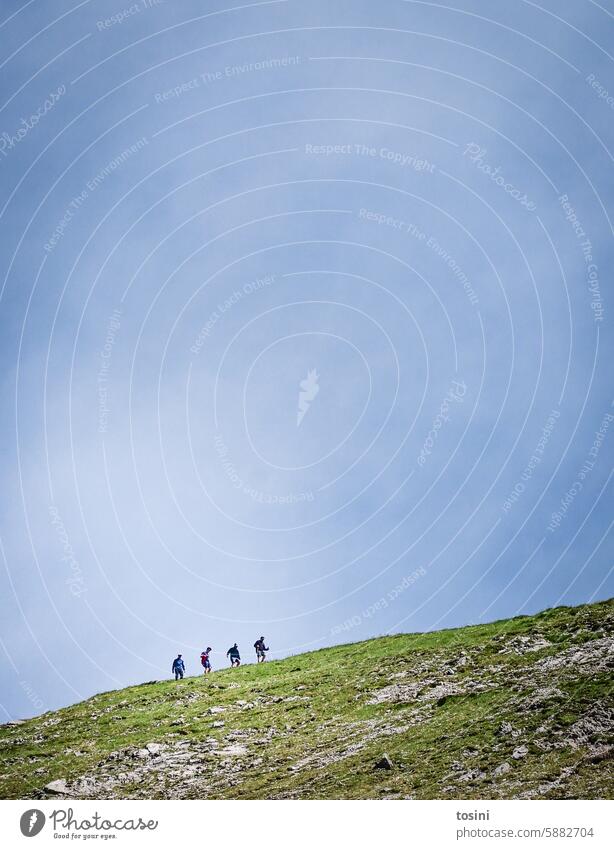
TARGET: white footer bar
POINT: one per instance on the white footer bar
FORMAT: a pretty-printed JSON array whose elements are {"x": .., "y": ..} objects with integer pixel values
[{"x": 273, "y": 825}]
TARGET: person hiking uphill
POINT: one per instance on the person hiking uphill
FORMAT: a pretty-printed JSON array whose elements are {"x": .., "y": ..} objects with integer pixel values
[
  {"x": 233, "y": 654},
  {"x": 204, "y": 659},
  {"x": 260, "y": 650},
  {"x": 178, "y": 667}
]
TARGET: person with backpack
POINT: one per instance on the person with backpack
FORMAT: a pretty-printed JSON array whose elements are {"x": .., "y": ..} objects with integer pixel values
[
  {"x": 260, "y": 650},
  {"x": 178, "y": 667},
  {"x": 233, "y": 654},
  {"x": 204, "y": 659}
]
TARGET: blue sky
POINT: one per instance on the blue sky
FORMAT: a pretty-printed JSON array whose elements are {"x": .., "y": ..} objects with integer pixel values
[{"x": 394, "y": 219}]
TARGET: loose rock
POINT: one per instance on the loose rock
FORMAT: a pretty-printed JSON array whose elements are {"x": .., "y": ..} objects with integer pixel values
[{"x": 384, "y": 762}]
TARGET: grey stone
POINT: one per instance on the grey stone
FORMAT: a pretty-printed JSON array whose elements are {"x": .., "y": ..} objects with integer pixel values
[
  {"x": 384, "y": 762},
  {"x": 58, "y": 787},
  {"x": 502, "y": 769}
]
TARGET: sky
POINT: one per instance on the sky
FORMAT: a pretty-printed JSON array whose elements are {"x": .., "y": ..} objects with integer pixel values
[{"x": 305, "y": 327}]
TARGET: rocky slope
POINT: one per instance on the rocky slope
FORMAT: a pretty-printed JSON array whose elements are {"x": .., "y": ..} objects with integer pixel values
[{"x": 522, "y": 708}]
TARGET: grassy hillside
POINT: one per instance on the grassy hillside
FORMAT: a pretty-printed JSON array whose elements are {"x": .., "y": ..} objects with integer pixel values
[{"x": 521, "y": 708}]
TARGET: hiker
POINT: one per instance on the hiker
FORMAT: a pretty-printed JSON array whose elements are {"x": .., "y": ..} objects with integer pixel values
[
  {"x": 260, "y": 650},
  {"x": 233, "y": 654},
  {"x": 204, "y": 659},
  {"x": 178, "y": 667}
]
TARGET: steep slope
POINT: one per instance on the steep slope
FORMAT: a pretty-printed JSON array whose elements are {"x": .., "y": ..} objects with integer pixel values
[{"x": 521, "y": 708}]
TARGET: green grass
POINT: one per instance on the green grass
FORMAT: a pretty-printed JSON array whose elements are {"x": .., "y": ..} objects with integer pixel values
[{"x": 312, "y": 732}]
